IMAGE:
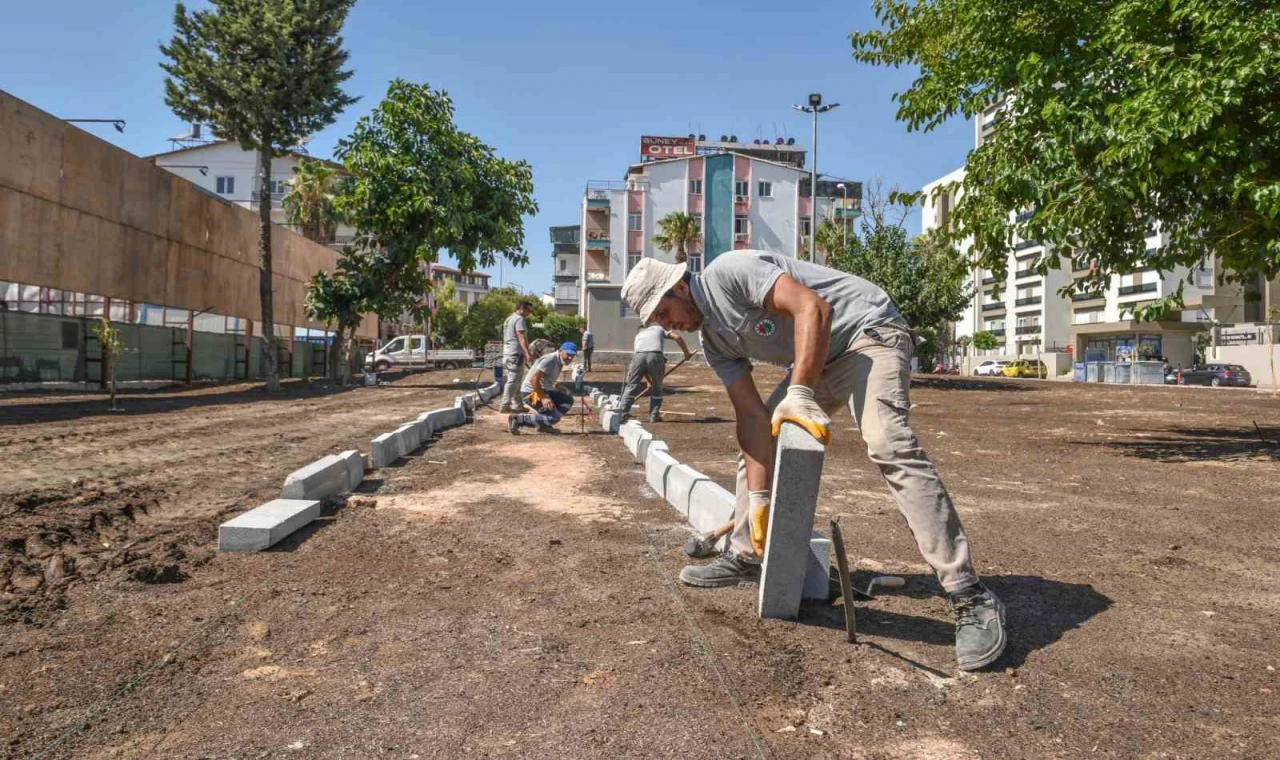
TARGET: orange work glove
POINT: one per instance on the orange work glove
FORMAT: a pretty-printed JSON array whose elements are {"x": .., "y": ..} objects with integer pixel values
[
  {"x": 800, "y": 407},
  {"x": 758, "y": 520}
]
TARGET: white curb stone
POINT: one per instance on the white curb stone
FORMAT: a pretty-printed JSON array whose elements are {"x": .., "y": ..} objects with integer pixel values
[
  {"x": 355, "y": 468},
  {"x": 260, "y": 528},
  {"x": 610, "y": 421},
  {"x": 410, "y": 437},
  {"x": 323, "y": 477},
  {"x": 680, "y": 482},
  {"x": 797, "y": 476},
  {"x": 384, "y": 450},
  {"x": 655, "y": 470}
]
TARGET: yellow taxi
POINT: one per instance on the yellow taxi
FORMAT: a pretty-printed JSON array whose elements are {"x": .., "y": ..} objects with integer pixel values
[{"x": 1026, "y": 368}]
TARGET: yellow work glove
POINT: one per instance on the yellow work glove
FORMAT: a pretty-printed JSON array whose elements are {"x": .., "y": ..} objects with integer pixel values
[
  {"x": 536, "y": 398},
  {"x": 800, "y": 407},
  {"x": 758, "y": 519}
]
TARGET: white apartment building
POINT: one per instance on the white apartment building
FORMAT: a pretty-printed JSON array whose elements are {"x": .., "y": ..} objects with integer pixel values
[
  {"x": 224, "y": 169},
  {"x": 740, "y": 201},
  {"x": 468, "y": 287},
  {"x": 566, "y": 272}
]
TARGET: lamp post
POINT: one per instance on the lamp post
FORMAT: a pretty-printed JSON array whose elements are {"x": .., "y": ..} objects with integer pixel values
[
  {"x": 815, "y": 107},
  {"x": 117, "y": 123},
  {"x": 844, "y": 223}
]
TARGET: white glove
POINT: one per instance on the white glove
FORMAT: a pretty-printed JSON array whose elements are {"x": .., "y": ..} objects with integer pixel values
[
  {"x": 800, "y": 407},
  {"x": 758, "y": 519}
]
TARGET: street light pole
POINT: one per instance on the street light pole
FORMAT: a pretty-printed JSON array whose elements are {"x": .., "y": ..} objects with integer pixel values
[
  {"x": 815, "y": 107},
  {"x": 844, "y": 207}
]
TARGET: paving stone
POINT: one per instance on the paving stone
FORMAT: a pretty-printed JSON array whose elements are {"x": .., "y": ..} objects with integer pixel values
[
  {"x": 656, "y": 465},
  {"x": 640, "y": 445},
  {"x": 384, "y": 450},
  {"x": 610, "y": 421},
  {"x": 817, "y": 569},
  {"x": 796, "y": 478},
  {"x": 710, "y": 506},
  {"x": 324, "y": 477},
  {"x": 266, "y": 525},
  {"x": 355, "y": 468},
  {"x": 410, "y": 437},
  {"x": 680, "y": 482},
  {"x": 427, "y": 431}
]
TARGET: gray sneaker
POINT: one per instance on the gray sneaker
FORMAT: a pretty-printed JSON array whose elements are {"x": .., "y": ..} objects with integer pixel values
[
  {"x": 725, "y": 570},
  {"x": 980, "y": 637}
]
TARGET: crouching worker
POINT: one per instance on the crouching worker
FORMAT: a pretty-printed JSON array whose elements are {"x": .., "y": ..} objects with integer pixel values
[{"x": 541, "y": 392}]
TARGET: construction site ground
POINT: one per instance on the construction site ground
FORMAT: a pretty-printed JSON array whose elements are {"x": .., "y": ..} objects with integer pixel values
[{"x": 500, "y": 596}]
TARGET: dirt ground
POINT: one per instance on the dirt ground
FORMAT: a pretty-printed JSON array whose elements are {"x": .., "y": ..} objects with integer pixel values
[{"x": 493, "y": 596}]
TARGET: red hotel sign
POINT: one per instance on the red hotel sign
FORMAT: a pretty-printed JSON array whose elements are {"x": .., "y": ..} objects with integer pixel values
[{"x": 655, "y": 148}]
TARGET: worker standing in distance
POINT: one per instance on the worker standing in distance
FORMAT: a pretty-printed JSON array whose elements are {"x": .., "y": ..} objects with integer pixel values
[
  {"x": 515, "y": 354},
  {"x": 649, "y": 363},
  {"x": 540, "y": 391},
  {"x": 847, "y": 344},
  {"x": 588, "y": 347}
]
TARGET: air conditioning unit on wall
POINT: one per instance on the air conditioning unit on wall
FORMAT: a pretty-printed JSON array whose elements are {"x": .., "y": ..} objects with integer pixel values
[{"x": 740, "y": 198}]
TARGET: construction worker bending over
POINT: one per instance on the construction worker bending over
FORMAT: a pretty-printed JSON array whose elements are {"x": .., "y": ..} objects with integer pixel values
[
  {"x": 649, "y": 363},
  {"x": 541, "y": 393},
  {"x": 515, "y": 353},
  {"x": 848, "y": 346}
]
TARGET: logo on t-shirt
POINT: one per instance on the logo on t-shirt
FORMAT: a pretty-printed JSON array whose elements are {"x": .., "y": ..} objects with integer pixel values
[{"x": 766, "y": 327}]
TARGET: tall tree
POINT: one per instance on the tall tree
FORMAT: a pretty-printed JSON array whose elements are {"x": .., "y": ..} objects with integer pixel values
[
  {"x": 1116, "y": 113},
  {"x": 309, "y": 203},
  {"x": 677, "y": 231},
  {"x": 266, "y": 74},
  {"x": 420, "y": 185}
]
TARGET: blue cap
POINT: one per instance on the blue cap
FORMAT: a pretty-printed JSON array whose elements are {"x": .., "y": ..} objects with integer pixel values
[{"x": 569, "y": 348}]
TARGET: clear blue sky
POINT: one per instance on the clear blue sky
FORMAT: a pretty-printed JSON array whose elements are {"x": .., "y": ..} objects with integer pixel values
[{"x": 567, "y": 86}]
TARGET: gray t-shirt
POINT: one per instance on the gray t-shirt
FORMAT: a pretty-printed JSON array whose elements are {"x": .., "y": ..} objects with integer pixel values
[
  {"x": 650, "y": 339},
  {"x": 510, "y": 343},
  {"x": 550, "y": 366},
  {"x": 731, "y": 291},
  {"x": 588, "y": 339}
]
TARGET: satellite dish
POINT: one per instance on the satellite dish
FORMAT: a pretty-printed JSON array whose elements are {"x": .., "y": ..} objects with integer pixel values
[
  {"x": 791, "y": 141},
  {"x": 724, "y": 138},
  {"x": 779, "y": 142},
  {"x": 733, "y": 138},
  {"x": 702, "y": 138}
]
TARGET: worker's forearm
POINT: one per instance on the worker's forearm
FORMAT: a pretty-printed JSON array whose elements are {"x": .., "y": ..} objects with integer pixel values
[
  {"x": 812, "y": 337},
  {"x": 524, "y": 344},
  {"x": 755, "y": 438}
]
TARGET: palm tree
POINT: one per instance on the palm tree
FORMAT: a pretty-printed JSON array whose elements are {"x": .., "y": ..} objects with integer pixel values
[
  {"x": 677, "y": 230},
  {"x": 309, "y": 202}
]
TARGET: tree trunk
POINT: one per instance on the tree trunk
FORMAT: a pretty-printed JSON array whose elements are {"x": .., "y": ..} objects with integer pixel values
[
  {"x": 681, "y": 256},
  {"x": 347, "y": 340},
  {"x": 270, "y": 370}
]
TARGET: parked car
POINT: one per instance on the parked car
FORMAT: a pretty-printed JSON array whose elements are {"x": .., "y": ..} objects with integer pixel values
[
  {"x": 1216, "y": 375},
  {"x": 410, "y": 351},
  {"x": 1026, "y": 368},
  {"x": 990, "y": 368}
]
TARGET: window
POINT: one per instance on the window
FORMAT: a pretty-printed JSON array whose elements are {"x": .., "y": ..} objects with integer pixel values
[
  {"x": 564, "y": 264},
  {"x": 764, "y": 189},
  {"x": 695, "y": 262},
  {"x": 741, "y": 188},
  {"x": 697, "y": 221},
  {"x": 633, "y": 221},
  {"x": 226, "y": 185},
  {"x": 279, "y": 186},
  {"x": 415, "y": 344},
  {"x": 633, "y": 259},
  {"x": 739, "y": 225},
  {"x": 804, "y": 226},
  {"x": 695, "y": 187},
  {"x": 1088, "y": 316},
  {"x": 394, "y": 346}
]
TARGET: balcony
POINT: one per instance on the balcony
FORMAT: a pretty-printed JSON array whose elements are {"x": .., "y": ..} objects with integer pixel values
[
  {"x": 597, "y": 240},
  {"x": 1021, "y": 273},
  {"x": 997, "y": 332},
  {"x": 1027, "y": 330},
  {"x": 998, "y": 306},
  {"x": 565, "y": 235},
  {"x": 1077, "y": 297},
  {"x": 1029, "y": 301},
  {"x": 1025, "y": 244},
  {"x": 1146, "y": 287},
  {"x": 988, "y": 280},
  {"x": 1081, "y": 266}
]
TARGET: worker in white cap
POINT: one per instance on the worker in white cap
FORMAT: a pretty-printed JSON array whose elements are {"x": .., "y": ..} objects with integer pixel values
[{"x": 846, "y": 344}]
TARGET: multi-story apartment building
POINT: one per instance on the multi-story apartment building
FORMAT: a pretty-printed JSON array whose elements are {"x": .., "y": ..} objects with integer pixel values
[
  {"x": 1026, "y": 312},
  {"x": 224, "y": 169},
  {"x": 469, "y": 287},
  {"x": 566, "y": 271},
  {"x": 739, "y": 201}
]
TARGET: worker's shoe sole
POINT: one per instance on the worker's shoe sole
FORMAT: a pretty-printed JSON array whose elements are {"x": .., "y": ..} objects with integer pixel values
[
  {"x": 725, "y": 571},
  {"x": 513, "y": 426}
]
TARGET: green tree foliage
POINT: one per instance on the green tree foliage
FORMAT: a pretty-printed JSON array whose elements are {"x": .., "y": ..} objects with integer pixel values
[
  {"x": 1117, "y": 113},
  {"x": 309, "y": 204},
  {"x": 485, "y": 317},
  {"x": 925, "y": 277},
  {"x": 112, "y": 346},
  {"x": 449, "y": 317},
  {"x": 266, "y": 74},
  {"x": 985, "y": 341},
  {"x": 560, "y": 328},
  {"x": 421, "y": 185},
  {"x": 677, "y": 231}
]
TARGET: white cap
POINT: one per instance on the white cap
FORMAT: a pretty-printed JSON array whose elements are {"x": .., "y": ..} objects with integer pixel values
[{"x": 647, "y": 282}]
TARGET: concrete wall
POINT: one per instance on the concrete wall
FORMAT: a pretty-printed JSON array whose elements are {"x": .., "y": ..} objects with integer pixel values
[
  {"x": 668, "y": 193},
  {"x": 774, "y": 223},
  {"x": 77, "y": 213},
  {"x": 1256, "y": 359}
]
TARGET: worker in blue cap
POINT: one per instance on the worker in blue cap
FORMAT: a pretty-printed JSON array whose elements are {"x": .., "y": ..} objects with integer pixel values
[{"x": 540, "y": 391}]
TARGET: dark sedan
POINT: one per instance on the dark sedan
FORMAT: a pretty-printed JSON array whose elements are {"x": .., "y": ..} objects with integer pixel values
[{"x": 1217, "y": 375}]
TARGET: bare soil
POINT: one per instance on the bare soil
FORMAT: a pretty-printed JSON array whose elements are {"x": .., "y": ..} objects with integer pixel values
[{"x": 499, "y": 596}]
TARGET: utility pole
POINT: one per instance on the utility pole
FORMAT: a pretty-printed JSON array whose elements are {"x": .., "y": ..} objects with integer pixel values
[
  {"x": 844, "y": 223},
  {"x": 815, "y": 107}
]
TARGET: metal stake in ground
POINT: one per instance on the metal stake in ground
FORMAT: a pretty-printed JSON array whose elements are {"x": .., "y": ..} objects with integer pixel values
[{"x": 846, "y": 583}]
